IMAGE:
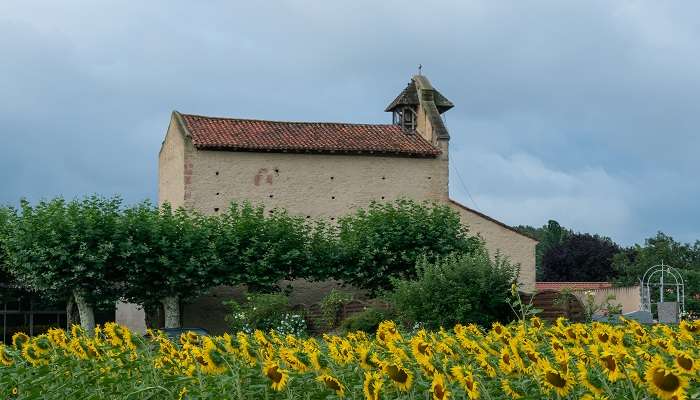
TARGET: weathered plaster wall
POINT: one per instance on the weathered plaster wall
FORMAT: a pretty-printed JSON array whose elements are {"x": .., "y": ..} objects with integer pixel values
[
  {"x": 171, "y": 166},
  {"x": 520, "y": 249},
  {"x": 312, "y": 185}
]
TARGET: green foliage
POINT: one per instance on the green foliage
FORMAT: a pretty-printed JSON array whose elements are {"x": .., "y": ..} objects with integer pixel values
[
  {"x": 549, "y": 235},
  {"x": 632, "y": 262},
  {"x": 523, "y": 311},
  {"x": 58, "y": 247},
  {"x": 6, "y": 218},
  {"x": 580, "y": 258},
  {"x": 367, "y": 321},
  {"x": 167, "y": 253},
  {"x": 458, "y": 288},
  {"x": 259, "y": 248},
  {"x": 385, "y": 241},
  {"x": 331, "y": 306},
  {"x": 265, "y": 311}
]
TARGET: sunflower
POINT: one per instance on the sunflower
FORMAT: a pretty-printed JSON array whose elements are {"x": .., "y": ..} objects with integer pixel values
[
  {"x": 5, "y": 358},
  {"x": 422, "y": 350},
  {"x": 690, "y": 327},
  {"x": 562, "y": 383},
  {"x": 365, "y": 356},
  {"x": 276, "y": 375},
  {"x": 34, "y": 355},
  {"x": 508, "y": 390},
  {"x": 19, "y": 339},
  {"x": 582, "y": 375},
  {"x": 536, "y": 323},
  {"x": 664, "y": 382},
  {"x": 506, "y": 363},
  {"x": 685, "y": 362},
  {"x": 58, "y": 337},
  {"x": 387, "y": 332},
  {"x": 333, "y": 384},
  {"x": 289, "y": 357},
  {"x": 610, "y": 365},
  {"x": 466, "y": 380},
  {"x": 213, "y": 357},
  {"x": 402, "y": 378},
  {"x": 438, "y": 388},
  {"x": 372, "y": 385}
]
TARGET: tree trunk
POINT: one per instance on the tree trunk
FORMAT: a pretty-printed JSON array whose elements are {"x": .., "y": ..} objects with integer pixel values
[
  {"x": 87, "y": 314},
  {"x": 70, "y": 314},
  {"x": 171, "y": 309}
]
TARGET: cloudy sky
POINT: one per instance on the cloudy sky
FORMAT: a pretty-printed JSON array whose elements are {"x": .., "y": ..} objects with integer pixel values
[{"x": 586, "y": 112}]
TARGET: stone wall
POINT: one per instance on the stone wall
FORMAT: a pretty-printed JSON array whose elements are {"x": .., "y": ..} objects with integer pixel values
[{"x": 499, "y": 237}]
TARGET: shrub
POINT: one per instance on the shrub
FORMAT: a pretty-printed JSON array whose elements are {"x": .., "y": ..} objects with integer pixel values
[
  {"x": 331, "y": 306},
  {"x": 459, "y": 288},
  {"x": 366, "y": 321},
  {"x": 385, "y": 241},
  {"x": 267, "y": 311}
]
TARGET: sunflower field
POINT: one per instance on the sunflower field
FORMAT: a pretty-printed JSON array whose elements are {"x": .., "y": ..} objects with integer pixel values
[{"x": 523, "y": 360}]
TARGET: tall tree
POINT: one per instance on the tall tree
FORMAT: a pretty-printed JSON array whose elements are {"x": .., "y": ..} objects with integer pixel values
[
  {"x": 580, "y": 257},
  {"x": 386, "y": 240},
  {"x": 67, "y": 249},
  {"x": 549, "y": 235},
  {"x": 258, "y": 248},
  {"x": 169, "y": 257}
]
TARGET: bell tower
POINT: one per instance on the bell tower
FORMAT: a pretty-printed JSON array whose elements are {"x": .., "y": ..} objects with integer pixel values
[{"x": 418, "y": 109}]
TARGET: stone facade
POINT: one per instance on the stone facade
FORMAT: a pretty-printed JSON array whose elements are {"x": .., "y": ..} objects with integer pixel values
[{"x": 322, "y": 185}]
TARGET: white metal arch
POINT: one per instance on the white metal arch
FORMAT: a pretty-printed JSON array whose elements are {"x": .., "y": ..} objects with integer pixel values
[{"x": 668, "y": 277}]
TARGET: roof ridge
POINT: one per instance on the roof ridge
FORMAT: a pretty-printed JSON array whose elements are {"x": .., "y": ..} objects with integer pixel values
[{"x": 285, "y": 122}]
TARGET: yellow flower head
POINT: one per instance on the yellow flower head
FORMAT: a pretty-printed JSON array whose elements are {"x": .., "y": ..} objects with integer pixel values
[
  {"x": 664, "y": 382},
  {"x": 19, "y": 339},
  {"x": 5, "y": 358},
  {"x": 508, "y": 390},
  {"x": 402, "y": 378},
  {"x": 332, "y": 383},
  {"x": 438, "y": 388},
  {"x": 561, "y": 382},
  {"x": 277, "y": 376},
  {"x": 372, "y": 385}
]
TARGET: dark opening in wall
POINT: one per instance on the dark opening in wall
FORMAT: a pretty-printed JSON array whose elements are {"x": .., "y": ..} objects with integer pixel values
[
  {"x": 332, "y": 197},
  {"x": 217, "y": 193},
  {"x": 217, "y": 173},
  {"x": 216, "y": 209},
  {"x": 332, "y": 177},
  {"x": 382, "y": 197},
  {"x": 332, "y": 218},
  {"x": 271, "y": 196},
  {"x": 308, "y": 216},
  {"x": 430, "y": 177},
  {"x": 383, "y": 177}
]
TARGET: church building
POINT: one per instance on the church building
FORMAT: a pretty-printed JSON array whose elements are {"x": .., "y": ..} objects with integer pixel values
[{"x": 323, "y": 170}]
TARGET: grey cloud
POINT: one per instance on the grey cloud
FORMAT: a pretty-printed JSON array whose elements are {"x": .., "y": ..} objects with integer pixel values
[{"x": 586, "y": 112}]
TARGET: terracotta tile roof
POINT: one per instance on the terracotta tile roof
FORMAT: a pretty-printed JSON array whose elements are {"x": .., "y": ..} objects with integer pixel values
[
  {"x": 313, "y": 137},
  {"x": 541, "y": 286}
]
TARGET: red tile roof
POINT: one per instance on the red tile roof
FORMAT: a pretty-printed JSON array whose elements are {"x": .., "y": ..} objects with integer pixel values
[
  {"x": 541, "y": 286},
  {"x": 313, "y": 137}
]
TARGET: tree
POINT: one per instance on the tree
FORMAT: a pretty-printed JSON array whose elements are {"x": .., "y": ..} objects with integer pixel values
[
  {"x": 548, "y": 236},
  {"x": 580, "y": 257},
  {"x": 6, "y": 215},
  {"x": 67, "y": 250},
  {"x": 169, "y": 257},
  {"x": 259, "y": 248},
  {"x": 386, "y": 240}
]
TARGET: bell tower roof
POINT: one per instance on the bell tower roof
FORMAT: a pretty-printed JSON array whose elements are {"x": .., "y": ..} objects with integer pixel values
[{"x": 409, "y": 96}]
